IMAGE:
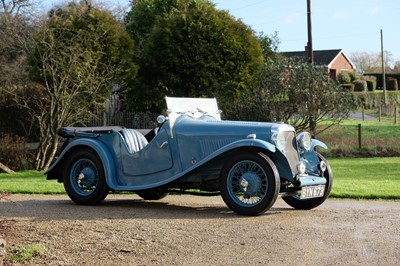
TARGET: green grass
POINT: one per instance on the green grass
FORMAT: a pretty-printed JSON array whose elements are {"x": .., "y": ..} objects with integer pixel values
[
  {"x": 359, "y": 178},
  {"x": 377, "y": 138},
  {"x": 26, "y": 254},
  {"x": 29, "y": 182},
  {"x": 366, "y": 178}
]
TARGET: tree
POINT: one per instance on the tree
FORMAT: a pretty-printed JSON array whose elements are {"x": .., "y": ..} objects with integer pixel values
[
  {"x": 371, "y": 62},
  {"x": 80, "y": 52},
  {"x": 188, "y": 48},
  {"x": 16, "y": 24},
  {"x": 295, "y": 92}
]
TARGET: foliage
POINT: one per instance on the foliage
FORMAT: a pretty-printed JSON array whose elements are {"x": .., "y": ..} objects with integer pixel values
[
  {"x": 26, "y": 254},
  {"x": 360, "y": 85},
  {"x": 14, "y": 153},
  {"x": 188, "y": 48},
  {"x": 295, "y": 92},
  {"x": 344, "y": 77},
  {"x": 392, "y": 85},
  {"x": 269, "y": 44},
  {"x": 354, "y": 75},
  {"x": 80, "y": 53},
  {"x": 371, "y": 100},
  {"x": 15, "y": 35}
]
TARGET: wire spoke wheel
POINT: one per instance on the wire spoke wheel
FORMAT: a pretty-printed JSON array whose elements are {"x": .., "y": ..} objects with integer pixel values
[
  {"x": 84, "y": 178},
  {"x": 249, "y": 183}
]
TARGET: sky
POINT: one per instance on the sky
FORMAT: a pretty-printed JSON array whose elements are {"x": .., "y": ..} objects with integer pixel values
[{"x": 351, "y": 25}]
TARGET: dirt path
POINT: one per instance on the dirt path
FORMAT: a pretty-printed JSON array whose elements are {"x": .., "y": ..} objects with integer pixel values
[{"x": 194, "y": 230}]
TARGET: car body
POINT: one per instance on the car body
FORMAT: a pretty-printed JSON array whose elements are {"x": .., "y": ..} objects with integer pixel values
[{"x": 248, "y": 163}]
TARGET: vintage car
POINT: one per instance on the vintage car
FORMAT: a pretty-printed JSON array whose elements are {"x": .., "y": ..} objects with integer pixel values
[{"x": 192, "y": 150}]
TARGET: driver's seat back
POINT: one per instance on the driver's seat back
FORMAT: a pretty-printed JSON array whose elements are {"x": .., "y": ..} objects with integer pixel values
[{"x": 135, "y": 140}]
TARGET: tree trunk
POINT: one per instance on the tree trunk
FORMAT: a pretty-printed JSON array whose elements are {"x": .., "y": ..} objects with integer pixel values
[{"x": 6, "y": 169}]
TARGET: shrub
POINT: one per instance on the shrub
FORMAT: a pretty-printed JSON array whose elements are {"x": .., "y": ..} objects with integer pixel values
[
  {"x": 344, "y": 77},
  {"x": 360, "y": 85},
  {"x": 392, "y": 85},
  {"x": 354, "y": 75},
  {"x": 348, "y": 87},
  {"x": 371, "y": 85},
  {"x": 14, "y": 153}
]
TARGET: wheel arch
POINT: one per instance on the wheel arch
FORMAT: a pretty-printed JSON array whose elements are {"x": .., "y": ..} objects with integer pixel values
[{"x": 56, "y": 170}]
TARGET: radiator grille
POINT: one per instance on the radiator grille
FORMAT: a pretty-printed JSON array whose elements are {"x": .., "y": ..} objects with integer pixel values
[{"x": 291, "y": 150}]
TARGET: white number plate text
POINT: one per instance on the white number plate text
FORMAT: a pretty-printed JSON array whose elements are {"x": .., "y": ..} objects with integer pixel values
[{"x": 312, "y": 192}]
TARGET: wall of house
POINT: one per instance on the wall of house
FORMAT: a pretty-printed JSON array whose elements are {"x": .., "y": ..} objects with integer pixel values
[{"x": 341, "y": 63}]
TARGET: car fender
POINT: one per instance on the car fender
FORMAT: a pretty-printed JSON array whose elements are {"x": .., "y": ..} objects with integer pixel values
[
  {"x": 317, "y": 143},
  {"x": 248, "y": 143},
  {"x": 102, "y": 151}
]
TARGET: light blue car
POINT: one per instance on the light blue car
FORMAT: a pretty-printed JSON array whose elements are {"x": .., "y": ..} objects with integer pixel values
[{"x": 193, "y": 150}]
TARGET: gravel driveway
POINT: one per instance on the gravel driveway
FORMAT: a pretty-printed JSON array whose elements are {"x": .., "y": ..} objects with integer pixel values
[{"x": 194, "y": 230}]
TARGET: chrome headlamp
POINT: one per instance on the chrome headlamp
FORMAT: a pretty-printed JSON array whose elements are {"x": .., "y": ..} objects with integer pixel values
[
  {"x": 304, "y": 141},
  {"x": 279, "y": 140}
]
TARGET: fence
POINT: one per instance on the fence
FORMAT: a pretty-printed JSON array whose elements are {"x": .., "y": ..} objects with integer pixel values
[
  {"x": 125, "y": 119},
  {"x": 373, "y": 139}
]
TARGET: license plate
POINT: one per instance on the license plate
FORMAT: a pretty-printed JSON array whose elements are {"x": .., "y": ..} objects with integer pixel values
[{"x": 312, "y": 192}]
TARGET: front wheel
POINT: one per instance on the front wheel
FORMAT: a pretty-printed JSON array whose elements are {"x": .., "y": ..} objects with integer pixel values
[
  {"x": 294, "y": 201},
  {"x": 249, "y": 183},
  {"x": 84, "y": 179}
]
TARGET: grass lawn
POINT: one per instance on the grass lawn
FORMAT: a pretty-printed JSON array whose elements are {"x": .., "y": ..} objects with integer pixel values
[
  {"x": 359, "y": 178},
  {"x": 367, "y": 178},
  {"x": 29, "y": 182},
  {"x": 376, "y": 137}
]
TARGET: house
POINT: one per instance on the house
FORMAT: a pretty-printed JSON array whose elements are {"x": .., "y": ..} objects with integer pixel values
[{"x": 334, "y": 60}]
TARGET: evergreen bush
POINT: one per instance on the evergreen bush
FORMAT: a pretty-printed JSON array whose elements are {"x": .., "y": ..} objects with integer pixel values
[
  {"x": 360, "y": 85},
  {"x": 344, "y": 77}
]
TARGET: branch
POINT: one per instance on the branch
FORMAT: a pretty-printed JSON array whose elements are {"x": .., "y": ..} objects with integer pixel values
[{"x": 6, "y": 169}]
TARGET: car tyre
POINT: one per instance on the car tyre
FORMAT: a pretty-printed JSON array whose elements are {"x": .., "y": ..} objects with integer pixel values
[
  {"x": 249, "y": 183},
  {"x": 308, "y": 204},
  {"x": 84, "y": 179}
]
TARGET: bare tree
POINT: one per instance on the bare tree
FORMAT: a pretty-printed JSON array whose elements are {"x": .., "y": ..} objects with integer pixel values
[
  {"x": 371, "y": 62},
  {"x": 15, "y": 7},
  {"x": 295, "y": 92},
  {"x": 76, "y": 61}
]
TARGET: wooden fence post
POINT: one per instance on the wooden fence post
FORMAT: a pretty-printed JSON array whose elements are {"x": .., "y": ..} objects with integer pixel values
[
  {"x": 359, "y": 137},
  {"x": 380, "y": 113}
]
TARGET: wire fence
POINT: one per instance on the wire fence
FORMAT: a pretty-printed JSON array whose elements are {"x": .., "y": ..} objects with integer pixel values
[{"x": 139, "y": 120}]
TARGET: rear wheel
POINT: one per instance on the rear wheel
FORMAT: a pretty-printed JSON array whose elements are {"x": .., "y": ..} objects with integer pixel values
[
  {"x": 307, "y": 204},
  {"x": 249, "y": 183},
  {"x": 84, "y": 179}
]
